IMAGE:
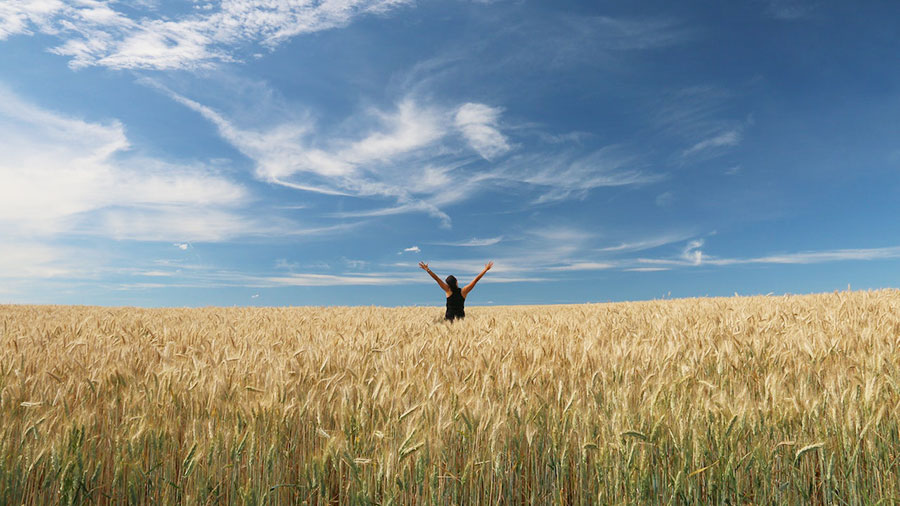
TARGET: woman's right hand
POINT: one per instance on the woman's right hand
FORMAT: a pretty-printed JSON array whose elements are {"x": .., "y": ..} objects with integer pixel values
[{"x": 423, "y": 265}]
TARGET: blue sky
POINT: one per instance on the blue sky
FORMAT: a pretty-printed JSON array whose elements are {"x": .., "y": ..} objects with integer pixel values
[{"x": 281, "y": 152}]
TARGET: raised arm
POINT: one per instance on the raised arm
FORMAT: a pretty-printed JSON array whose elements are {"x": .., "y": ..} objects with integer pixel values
[
  {"x": 440, "y": 281},
  {"x": 468, "y": 288}
]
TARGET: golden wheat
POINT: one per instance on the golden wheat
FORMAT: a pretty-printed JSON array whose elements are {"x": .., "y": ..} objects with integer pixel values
[{"x": 744, "y": 399}]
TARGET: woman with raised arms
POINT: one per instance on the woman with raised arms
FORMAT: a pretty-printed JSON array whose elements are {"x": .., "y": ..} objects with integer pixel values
[{"x": 456, "y": 296}]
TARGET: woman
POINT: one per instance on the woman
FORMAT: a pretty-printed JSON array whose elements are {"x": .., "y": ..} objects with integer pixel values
[{"x": 456, "y": 296}]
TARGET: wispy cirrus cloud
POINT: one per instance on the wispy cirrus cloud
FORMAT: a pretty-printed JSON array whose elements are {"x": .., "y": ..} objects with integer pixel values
[
  {"x": 562, "y": 176},
  {"x": 725, "y": 139},
  {"x": 692, "y": 255},
  {"x": 336, "y": 280},
  {"x": 563, "y": 235},
  {"x": 583, "y": 266},
  {"x": 374, "y": 165},
  {"x": 815, "y": 257},
  {"x": 473, "y": 242},
  {"x": 478, "y": 124},
  {"x": 647, "y": 243},
  {"x": 99, "y": 33},
  {"x": 692, "y": 252},
  {"x": 544, "y": 43},
  {"x": 691, "y": 112},
  {"x": 701, "y": 117},
  {"x": 411, "y": 154}
]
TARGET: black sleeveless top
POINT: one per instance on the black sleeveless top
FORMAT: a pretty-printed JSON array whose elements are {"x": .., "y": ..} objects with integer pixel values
[{"x": 455, "y": 305}]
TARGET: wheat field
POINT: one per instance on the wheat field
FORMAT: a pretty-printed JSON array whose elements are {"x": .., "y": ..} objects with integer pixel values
[{"x": 761, "y": 400}]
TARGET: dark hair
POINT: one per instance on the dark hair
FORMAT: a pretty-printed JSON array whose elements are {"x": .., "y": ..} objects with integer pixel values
[{"x": 451, "y": 282}]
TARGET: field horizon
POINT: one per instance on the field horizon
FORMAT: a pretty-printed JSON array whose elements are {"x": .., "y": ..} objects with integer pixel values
[
  {"x": 759, "y": 399},
  {"x": 441, "y": 306}
]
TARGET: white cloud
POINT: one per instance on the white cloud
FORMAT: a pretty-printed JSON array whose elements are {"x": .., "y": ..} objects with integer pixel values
[
  {"x": 694, "y": 112},
  {"x": 373, "y": 166},
  {"x": 393, "y": 157},
  {"x": 407, "y": 157},
  {"x": 64, "y": 178},
  {"x": 284, "y": 264},
  {"x": 691, "y": 255},
  {"x": 473, "y": 242},
  {"x": 17, "y": 16},
  {"x": 94, "y": 32},
  {"x": 562, "y": 234},
  {"x": 536, "y": 251},
  {"x": 412, "y": 249},
  {"x": 66, "y": 175},
  {"x": 478, "y": 123},
  {"x": 409, "y": 128},
  {"x": 340, "y": 280},
  {"x": 153, "y": 274},
  {"x": 31, "y": 260},
  {"x": 724, "y": 139},
  {"x": 701, "y": 117},
  {"x": 563, "y": 176},
  {"x": 814, "y": 257},
  {"x": 165, "y": 223},
  {"x": 418, "y": 206},
  {"x": 645, "y": 244},
  {"x": 692, "y": 252},
  {"x": 355, "y": 264},
  {"x": 583, "y": 266}
]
